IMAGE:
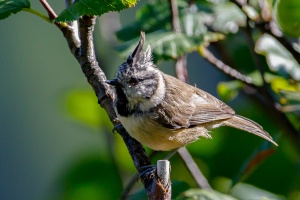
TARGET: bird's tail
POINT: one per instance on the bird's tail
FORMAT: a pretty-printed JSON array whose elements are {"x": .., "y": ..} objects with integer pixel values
[{"x": 248, "y": 125}]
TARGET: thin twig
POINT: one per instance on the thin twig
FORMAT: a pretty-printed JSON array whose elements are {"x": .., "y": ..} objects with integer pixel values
[
  {"x": 52, "y": 15},
  {"x": 258, "y": 64},
  {"x": 129, "y": 186},
  {"x": 205, "y": 53},
  {"x": 193, "y": 168}
]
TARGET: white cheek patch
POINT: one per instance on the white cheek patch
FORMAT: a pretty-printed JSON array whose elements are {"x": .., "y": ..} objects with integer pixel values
[{"x": 157, "y": 97}]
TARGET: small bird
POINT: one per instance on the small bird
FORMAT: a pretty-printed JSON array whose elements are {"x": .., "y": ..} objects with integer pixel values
[{"x": 165, "y": 113}]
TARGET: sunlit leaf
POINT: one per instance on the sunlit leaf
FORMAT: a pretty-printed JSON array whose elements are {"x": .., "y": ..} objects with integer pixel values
[
  {"x": 251, "y": 12},
  {"x": 280, "y": 83},
  {"x": 9, "y": 7},
  {"x": 93, "y": 7},
  {"x": 195, "y": 194},
  {"x": 229, "y": 90},
  {"x": 288, "y": 16},
  {"x": 228, "y": 18},
  {"x": 277, "y": 56},
  {"x": 290, "y": 100}
]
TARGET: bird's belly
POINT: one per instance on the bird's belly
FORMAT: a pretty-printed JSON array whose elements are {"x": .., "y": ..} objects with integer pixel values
[{"x": 157, "y": 137}]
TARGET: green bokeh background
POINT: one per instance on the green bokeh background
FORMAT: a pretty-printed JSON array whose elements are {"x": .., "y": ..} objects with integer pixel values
[{"x": 52, "y": 149}]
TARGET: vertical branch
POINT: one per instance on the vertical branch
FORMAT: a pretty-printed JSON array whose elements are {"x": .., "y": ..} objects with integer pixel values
[
  {"x": 180, "y": 65},
  {"x": 83, "y": 50},
  {"x": 182, "y": 75}
]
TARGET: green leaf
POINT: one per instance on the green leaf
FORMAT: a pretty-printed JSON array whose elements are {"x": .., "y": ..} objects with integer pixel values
[
  {"x": 290, "y": 100},
  {"x": 228, "y": 18},
  {"x": 244, "y": 191},
  {"x": 93, "y": 7},
  {"x": 153, "y": 16},
  {"x": 9, "y": 7},
  {"x": 277, "y": 56},
  {"x": 201, "y": 194},
  {"x": 288, "y": 16},
  {"x": 165, "y": 45},
  {"x": 279, "y": 83}
]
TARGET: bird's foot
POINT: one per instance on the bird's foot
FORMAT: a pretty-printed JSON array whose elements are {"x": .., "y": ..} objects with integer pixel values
[
  {"x": 147, "y": 171},
  {"x": 117, "y": 127}
]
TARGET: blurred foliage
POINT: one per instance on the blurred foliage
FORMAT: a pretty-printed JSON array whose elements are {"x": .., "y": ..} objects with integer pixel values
[
  {"x": 288, "y": 16},
  {"x": 201, "y": 194},
  {"x": 86, "y": 179},
  {"x": 277, "y": 56},
  {"x": 80, "y": 105},
  {"x": 234, "y": 31}
]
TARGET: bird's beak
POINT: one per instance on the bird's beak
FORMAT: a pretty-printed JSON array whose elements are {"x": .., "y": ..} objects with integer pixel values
[{"x": 113, "y": 82}]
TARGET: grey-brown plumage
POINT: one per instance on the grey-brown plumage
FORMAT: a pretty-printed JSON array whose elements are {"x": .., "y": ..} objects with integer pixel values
[{"x": 165, "y": 113}]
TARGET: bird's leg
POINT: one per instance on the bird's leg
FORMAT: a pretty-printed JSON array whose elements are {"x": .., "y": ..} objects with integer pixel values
[{"x": 147, "y": 170}]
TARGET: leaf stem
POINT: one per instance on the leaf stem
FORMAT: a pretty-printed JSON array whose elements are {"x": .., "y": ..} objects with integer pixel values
[{"x": 37, "y": 13}]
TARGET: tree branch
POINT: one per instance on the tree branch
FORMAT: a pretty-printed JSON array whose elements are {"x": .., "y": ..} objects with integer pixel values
[
  {"x": 209, "y": 56},
  {"x": 194, "y": 169},
  {"x": 52, "y": 15},
  {"x": 83, "y": 50}
]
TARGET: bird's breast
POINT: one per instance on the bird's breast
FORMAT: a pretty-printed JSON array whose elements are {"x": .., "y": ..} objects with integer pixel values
[{"x": 157, "y": 137}]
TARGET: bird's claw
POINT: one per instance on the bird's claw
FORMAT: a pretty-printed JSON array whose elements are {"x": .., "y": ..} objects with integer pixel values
[
  {"x": 147, "y": 171},
  {"x": 116, "y": 127}
]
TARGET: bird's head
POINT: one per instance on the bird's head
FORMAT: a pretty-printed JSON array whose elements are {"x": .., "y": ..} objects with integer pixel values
[{"x": 139, "y": 79}]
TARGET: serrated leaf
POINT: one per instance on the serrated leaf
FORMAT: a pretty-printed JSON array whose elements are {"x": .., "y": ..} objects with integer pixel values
[
  {"x": 165, "y": 45},
  {"x": 199, "y": 194},
  {"x": 277, "y": 56},
  {"x": 93, "y": 7},
  {"x": 9, "y": 7},
  {"x": 150, "y": 18}
]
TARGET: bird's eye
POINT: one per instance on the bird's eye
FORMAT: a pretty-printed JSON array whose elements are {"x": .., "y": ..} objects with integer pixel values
[{"x": 133, "y": 81}]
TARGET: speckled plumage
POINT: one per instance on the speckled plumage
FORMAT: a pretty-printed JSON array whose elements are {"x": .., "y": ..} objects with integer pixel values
[{"x": 165, "y": 113}]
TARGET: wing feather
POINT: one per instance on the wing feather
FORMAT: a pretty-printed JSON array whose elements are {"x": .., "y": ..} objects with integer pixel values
[{"x": 185, "y": 106}]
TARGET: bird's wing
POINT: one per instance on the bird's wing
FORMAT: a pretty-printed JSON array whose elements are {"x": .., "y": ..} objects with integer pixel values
[{"x": 185, "y": 106}]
